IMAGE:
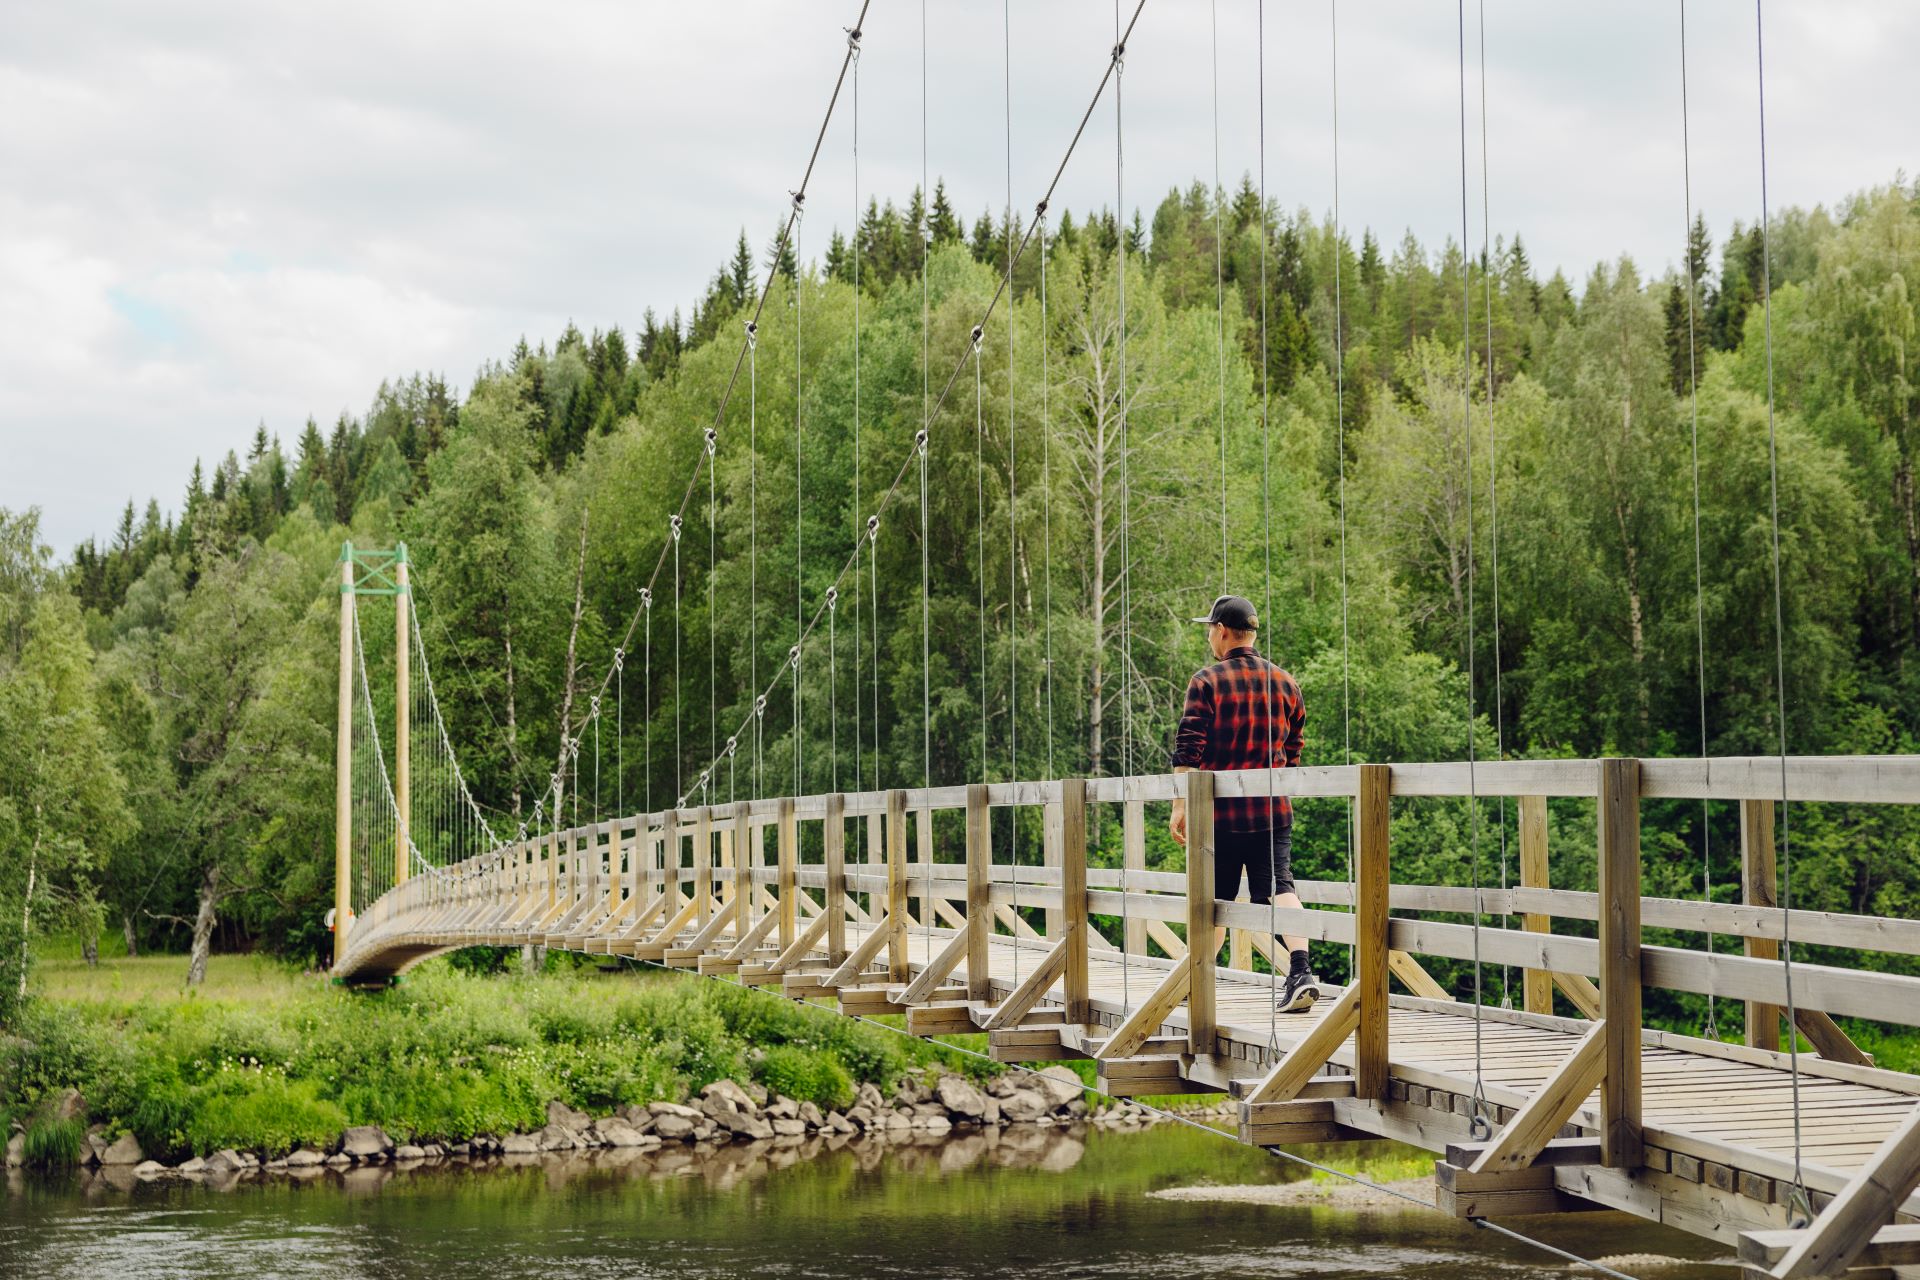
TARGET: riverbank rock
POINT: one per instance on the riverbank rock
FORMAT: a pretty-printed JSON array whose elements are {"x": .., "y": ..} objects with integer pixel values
[
  {"x": 409, "y": 1153},
  {"x": 729, "y": 1092},
  {"x": 305, "y": 1158},
  {"x": 520, "y": 1144},
  {"x": 71, "y": 1106},
  {"x": 224, "y": 1161},
  {"x": 1024, "y": 1106},
  {"x": 191, "y": 1167},
  {"x": 1061, "y": 1085},
  {"x": 561, "y": 1114},
  {"x": 147, "y": 1170},
  {"x": 365, "y": 1142},
  {"x": 960, "y": 1098},
  {"x": 615, "y": 1132},
  {"x": 674, "y": 1127},
  {"x": 744, "y": 1124},
  {"x": 124, "y": 1150},
  {"x": 16, "y": 1150}
]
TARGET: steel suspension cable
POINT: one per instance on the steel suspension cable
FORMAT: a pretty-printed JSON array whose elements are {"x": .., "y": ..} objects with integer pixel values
[
  {"x": 967, "y": 354},
  {"x": 1802, "y": 1204},
  {"x": 1219, "y": 289},
  {"x": 1712, "y": 1030},
  {"x": 1340, "y": 438},
  {"x": 1266, "y": 516},
  {"x": 1013, "y": 531},
  {"x": 1493, "y": 472},
  {"x": 1482, "y": 1127},
  {"x": 1120, "y": 258},
  {"x": 857, "y": 739},
  {"x": 799, "y": 518}
]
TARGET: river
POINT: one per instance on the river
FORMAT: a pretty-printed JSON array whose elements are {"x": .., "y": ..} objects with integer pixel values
[{"x": 1015, "y": 1203}]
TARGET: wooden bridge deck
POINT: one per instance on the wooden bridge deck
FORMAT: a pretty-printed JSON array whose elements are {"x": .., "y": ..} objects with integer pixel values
[{"x": 1583, "y": 1112}]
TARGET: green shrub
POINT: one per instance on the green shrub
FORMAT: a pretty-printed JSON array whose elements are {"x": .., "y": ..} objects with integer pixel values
[
  {"x": 266, "y": 1113},
  {"x": 805, "y": 1076},
  {"x": 54, "y": 1144}
]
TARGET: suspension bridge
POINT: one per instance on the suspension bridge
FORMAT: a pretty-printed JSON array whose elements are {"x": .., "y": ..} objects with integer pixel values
[{"x": 915, "y": 901}]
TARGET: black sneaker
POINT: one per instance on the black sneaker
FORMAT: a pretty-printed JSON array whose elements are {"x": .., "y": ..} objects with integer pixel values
[{"x": 1299, "y": 993}]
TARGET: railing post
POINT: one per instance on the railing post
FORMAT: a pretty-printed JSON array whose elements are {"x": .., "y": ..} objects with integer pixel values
[
  {"x": 703, "y": 863},
  {"x": 1073, "y": 899},
  {"x": 1133, "y": 857},
  {"x": 727, "y": 881},
  {"x": 835, "y": 844},
  {"x": 923, "y": 854},
  {"x": 1758, "y": 885},
  {"x": 896, "y": 854},
  {"x": 1372, "y": 875},
  {"x": 1619, "y": 826},
  {"x": 1053, "y": 919},
  {"x": 744, "y": 915},
  {"x": 789, "y": 855},
  {"x": 613, "y": 866},
  {"x": 1537, "y": 984},
  {"x": 1202, "y": 945},
  {"x": 979, "y": 886},
  {"x": 551, "y": 848}
]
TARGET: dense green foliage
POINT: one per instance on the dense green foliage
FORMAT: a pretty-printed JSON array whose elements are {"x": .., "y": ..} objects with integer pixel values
[
  {"x": 1064, "y": 547},
  {"x": 444, "y": 1056}
]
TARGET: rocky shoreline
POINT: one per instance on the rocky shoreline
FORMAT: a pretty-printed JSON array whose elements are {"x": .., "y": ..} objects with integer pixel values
[{"x": 724, "y": 1113}]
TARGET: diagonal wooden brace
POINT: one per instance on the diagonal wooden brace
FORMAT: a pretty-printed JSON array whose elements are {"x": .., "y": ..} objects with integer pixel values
[
  {"x": 1299, "y": 1064},
  {"x": 863, "y": 955},
  {"x": 714, "y": 925},
  {"x": 656, "y": 946},
  {"x": 922, "y": 988},
  {"x": 1151, "y": 1013},
  {"x": 801, "y": 945},
  {"x": 1550, "y": 1107},
  {"x": 1866, "y": 1204},
  {"x": 1034, "y": 985},
  {"x": 754, "y": 936}
]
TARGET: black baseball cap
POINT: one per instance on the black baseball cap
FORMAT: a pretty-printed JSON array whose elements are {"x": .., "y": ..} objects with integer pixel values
[{"x": 1234, "y": 613}]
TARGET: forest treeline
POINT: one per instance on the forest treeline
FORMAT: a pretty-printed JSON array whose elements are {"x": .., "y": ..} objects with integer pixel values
[{"x": 167, "y": 695}]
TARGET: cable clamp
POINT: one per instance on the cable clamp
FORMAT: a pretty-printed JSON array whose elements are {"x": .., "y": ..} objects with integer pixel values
[
  {"x": 793, "y": 657},
  {"x": 713, "y": 441},
  {"x": 673, "y": 523},
  {"x": 1040, "y": 209},
  {"x": 853, "y": 42},
  {"x": 593, "y": 708},
  {"x": 799, "y": 202},
  {"x": 732, "y": 744},
  {"x": 646, "y": 597},
  {"x": 979, "y": 333},
  {"x": 873, "y": 528},
  {"x": 753, "y": 334},
  {"x": 760, "y": 707},
  {"x": 1799, "y": 1207},
  {"x": 1120, "y": 57},
  {"x": 920, "y": 441},
  {"x": 833, "y": 598},
  {"x": 619, "y": 659}
]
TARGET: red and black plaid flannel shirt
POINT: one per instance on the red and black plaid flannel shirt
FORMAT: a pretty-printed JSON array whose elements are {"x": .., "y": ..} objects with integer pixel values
[{"x": 1243, "y": 712}]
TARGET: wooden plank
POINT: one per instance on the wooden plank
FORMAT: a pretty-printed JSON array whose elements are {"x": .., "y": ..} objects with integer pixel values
[
  {"x": 1537, "y": 983},
  {"x": 1151, "y": 1013},
  {"x": 979, "y": 881},
  {"x": 1284, "y": 1080},
  {"x": 1200, "y": 886},
  {"x": 896, "y": 847},
  {"x": 789, "y": 854},
  {"x": 1758, "y": 886},
  {"x": 703, "y": 863},
  {"x": 1466, "y": 1194},
  {"x": 1073, "y": 897},
  {"x": 1371, "y": 878},
  {"x": 1867, "y": 1203},
  {"x": 1052, "y": 918},
  {"x": 1551, "y": 1106},
  {"x": 1619, "y": 865},
  {"x": 744, "y": 844}
]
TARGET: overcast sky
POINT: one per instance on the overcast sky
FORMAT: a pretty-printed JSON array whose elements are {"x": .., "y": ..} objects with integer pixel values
[{"x": 215, "y": 215}]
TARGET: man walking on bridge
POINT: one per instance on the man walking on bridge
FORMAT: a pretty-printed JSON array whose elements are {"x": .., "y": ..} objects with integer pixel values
[{"x": 1244, "y": 712}]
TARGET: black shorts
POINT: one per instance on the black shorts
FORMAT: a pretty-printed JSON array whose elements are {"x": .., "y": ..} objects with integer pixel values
[{"x": 1265, "y": 855}]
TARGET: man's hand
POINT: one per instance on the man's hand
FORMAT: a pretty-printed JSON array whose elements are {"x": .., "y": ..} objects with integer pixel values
[{"x": 1177, "y": 824}]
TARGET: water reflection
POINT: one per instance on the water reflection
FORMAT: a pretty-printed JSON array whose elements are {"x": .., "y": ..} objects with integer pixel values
[{"x": 997, "y": 1203}]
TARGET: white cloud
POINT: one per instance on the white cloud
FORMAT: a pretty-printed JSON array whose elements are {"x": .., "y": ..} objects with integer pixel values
[{"x": 219, "y": 214}]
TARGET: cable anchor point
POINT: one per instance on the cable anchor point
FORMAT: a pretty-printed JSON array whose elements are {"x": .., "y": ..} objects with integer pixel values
[
  {"x": 873, "y": 528},
  {"x": 1120, "y": 57},
  {"x": 713, "y": 441},
  {"x": 673, "y": 523},
  {"x": 799, "y": 202},
  {"x": 753, "y": 334},
  {"x": 979, "y": 334},
  {"x": 920, "y": 441},
  {"x": 853, "y": 41},
  {"x": 646, "y": 597},
  {"x": 833, "y": 598},
  {"x": 619, "y": 659},
  {"x": 733, "y": 744},
  {"x": 760, "y": 707},
  {"x": 793, "y": 657}
]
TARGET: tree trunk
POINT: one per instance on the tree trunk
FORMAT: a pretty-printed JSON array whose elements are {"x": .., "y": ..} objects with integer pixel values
[
  {"x": 1904, "y": 502},
  {"x": 203, "y": 926},
  {"x": 90, "y": 948},
  {"x": 133, "y": 939},
  {"x": 26, "y": 909},
  {"x": 513, "y": 727},
  {"x": 1096, "y": 717}
]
